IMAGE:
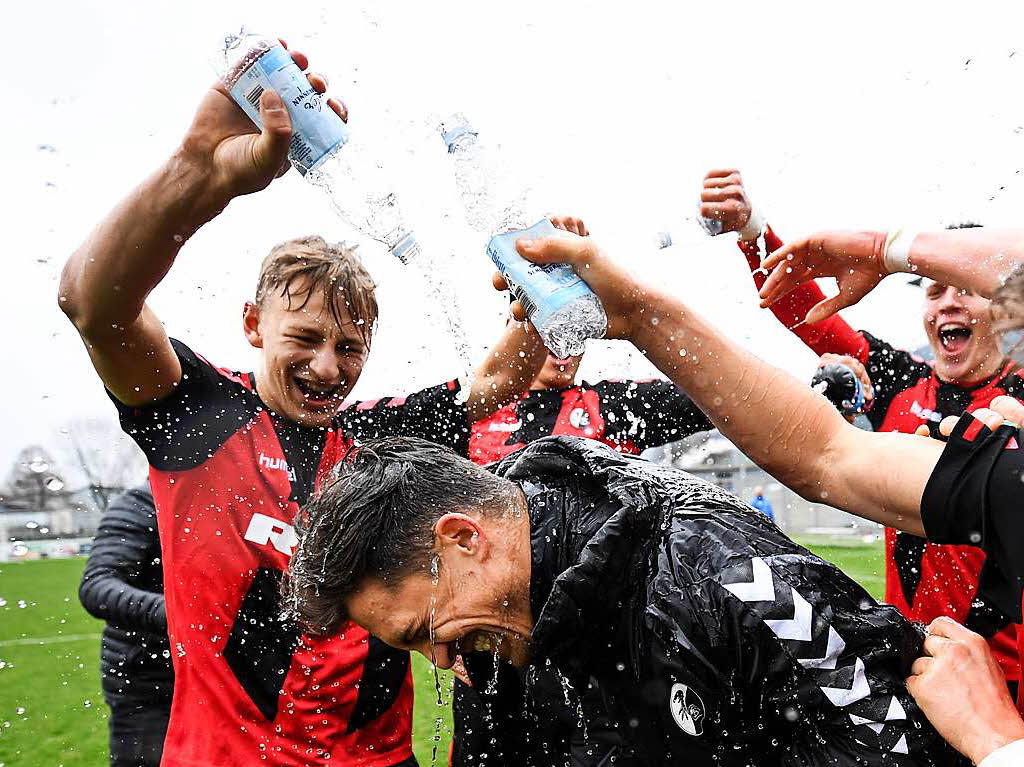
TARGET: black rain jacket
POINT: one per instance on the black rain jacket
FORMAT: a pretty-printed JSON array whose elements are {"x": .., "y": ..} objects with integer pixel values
[
  {"x": 709, "y": 636},
  {"x": 123, "y": 585}
]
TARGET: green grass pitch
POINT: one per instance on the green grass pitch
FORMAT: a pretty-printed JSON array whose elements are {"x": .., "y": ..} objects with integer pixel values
[{"x": 52, "y": 712}]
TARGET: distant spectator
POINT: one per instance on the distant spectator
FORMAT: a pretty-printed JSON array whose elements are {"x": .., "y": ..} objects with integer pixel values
[
  {"x": 123, "y": 585},
  {"x": 762, "y": 504}
]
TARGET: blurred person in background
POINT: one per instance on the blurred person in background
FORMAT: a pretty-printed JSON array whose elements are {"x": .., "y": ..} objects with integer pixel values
[
  {"x": 762, "y": 504},
  {"x": 123, "y": 585}
]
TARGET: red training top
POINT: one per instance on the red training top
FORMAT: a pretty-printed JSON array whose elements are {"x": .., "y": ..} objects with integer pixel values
[{"x": 228, "y": 478}]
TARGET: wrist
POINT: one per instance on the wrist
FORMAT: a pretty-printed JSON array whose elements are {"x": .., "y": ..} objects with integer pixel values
[
  {"x": 754, "y": 227},
  {"x": 197, "y": 195},
  {"x": 988, "y": 741},
  {"x": 896, "y": 250}
]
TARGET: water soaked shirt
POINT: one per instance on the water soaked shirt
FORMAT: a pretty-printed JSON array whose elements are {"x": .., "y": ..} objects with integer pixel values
[{"x": 228, "y": 477}]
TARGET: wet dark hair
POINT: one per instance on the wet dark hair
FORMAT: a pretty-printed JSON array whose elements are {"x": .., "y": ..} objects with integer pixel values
[{"x": 376, "y": 519}]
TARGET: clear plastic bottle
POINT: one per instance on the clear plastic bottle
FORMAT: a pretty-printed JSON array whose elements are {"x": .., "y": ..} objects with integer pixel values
[
  {"x": 558, "y": 302},
  {"x": 322, "y": 148}
]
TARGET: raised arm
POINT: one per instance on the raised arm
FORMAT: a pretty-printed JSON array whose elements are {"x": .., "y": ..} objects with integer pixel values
[
  {"x": 105, "y": 283},
  {"x": 977, "y": 259},
  {"x": 780, "y": 423},
  {"x": 724, "y": 199}
]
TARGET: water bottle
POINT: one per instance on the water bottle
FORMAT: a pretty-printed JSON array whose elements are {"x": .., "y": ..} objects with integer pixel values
[
  {"x": 841, "y": 387},
  {"x": 559, "y": 304},
  {"x": 321, "y": 149}
]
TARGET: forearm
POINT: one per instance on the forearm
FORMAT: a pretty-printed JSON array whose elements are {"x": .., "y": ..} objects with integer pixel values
[
  {"x": 507, "y": 371},
  {"x": 781, "y": 424},
  {"x": 105, "y": 282},
  {"x": 976, "y": 259},
  {"x": 106, "y": 595}
]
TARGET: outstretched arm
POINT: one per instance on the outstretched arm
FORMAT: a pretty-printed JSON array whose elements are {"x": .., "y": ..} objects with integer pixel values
[
  {"x": 976, "y": 259},
  {"x": 780, "y": 423},
  {"x": 105, "y": 283}
]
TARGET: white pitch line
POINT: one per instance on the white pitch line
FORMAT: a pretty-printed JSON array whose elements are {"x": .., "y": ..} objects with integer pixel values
[{"x": 47, "y": 640}]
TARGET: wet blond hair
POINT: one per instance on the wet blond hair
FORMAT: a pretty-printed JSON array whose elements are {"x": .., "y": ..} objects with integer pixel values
[{"x": 296, "y": 269}]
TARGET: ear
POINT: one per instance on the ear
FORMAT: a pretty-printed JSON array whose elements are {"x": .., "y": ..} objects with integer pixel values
[
  {"x": 251, "y": 324},
  {"x": 461, "y": 534}
]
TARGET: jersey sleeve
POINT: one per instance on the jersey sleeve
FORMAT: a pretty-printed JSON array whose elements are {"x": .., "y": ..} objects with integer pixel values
[
  {"x": 436, "y": 414},
  {"x": 648, "y": 413},
  {"x": 185, "y": 428},
  {"x": 973, "y": 496},
  {"x": 831, "y": 335}
]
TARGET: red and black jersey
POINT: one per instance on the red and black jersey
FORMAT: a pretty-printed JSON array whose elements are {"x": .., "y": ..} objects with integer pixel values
[
  {"x": 974, "y": 496},
  {"x": 924, "y": 580},
  {"x": 630, "y": 416},
  {"x": 228, "y": 477}
]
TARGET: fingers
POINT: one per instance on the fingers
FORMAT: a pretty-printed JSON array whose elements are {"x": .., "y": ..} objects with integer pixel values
[
  {"x": 518, "y": 311},
  {"x": 569, "y": 224},
  {"x": 300, "y": 59},
  {"x": 920, "y": 666},
  {"x": 946, "y": 426},
  {"x": 498, "y": 281},
  {"x": 825, "y": 309},
  {"x": 722, "y": 177},
  {"x": 990, "y": 418},
  {"x": 784, "y": 254},
  {"x": 922, "y": 430},
  {"x": 318, "y": 81},
  {"x": 1010, "y": 409},
  {"x": 339, "y": 108},
  {"x": 721, "y": 193},
  {"x": 945, "y": 627},
  {"x": 556, "y": 250},
  {"x": 270, "y": 150}
]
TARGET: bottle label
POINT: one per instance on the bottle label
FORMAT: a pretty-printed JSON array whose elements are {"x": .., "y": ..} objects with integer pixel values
[
  {"x": 541, "y": 289},
  {"x": 316, "y": 129}
]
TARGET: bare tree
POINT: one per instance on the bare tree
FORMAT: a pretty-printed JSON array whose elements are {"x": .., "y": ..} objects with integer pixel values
[
  {"x": 34, "y": 483},
  {"x": 106, "y": 460}
]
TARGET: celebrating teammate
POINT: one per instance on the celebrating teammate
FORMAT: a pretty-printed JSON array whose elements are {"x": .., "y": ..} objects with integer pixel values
[
  {"x": 925, "y": 580},
  {"x": 232, "y": 455}
]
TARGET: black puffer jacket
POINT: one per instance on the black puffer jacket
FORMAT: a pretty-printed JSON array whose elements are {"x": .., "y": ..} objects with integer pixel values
[
  {"x": 710, "y": 637},
  {"x": 123, "y": 585}
]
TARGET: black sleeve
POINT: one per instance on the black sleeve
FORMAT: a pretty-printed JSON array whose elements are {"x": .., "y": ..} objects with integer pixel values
[
  {"x": 186, "y": 427},
  {"x": 125, "y": 544},
  {"x": 648, "y": 413},
  {"x": 974, "y": 496},
  {"x": 437, "y": 414},
  {"x": 891, "y": 371}
]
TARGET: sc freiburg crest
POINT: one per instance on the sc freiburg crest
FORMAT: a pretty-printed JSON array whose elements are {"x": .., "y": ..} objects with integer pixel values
[{"x": 687, "y": 709}]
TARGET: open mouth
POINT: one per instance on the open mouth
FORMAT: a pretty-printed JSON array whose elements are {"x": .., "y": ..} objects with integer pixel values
[
  {"x": 478, "y": 641},
  {"x": 954, "y": 337},
  {"x": 316, "y": 394},
  {"x": 562, "y": 363}
]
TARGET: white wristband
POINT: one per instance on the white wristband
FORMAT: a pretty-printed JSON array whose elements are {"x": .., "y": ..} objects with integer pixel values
[
  {"x": 896, "y": 256},
  {"x": 1010, "y": 755},
  {"x": 754, "y": 227}
]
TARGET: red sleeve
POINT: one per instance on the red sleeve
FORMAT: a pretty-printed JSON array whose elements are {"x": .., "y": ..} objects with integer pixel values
[{"x": 831, "y": 335}]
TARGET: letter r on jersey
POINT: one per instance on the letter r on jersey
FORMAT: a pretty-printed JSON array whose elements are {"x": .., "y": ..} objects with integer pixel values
[{"x": 263, "y": 530}]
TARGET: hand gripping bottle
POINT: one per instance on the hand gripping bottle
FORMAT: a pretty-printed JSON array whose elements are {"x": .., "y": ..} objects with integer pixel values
[
  {"x": 559, "y": 304},
  {"x": 248, "y": 64},
  {"x": 841, "y": 387}
]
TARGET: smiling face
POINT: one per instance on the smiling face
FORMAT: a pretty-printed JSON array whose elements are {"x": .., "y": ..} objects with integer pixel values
[
  {"x": 557, "y": 373},
  {"x": 479, "y": 598},
  {"x": 311, "y": 356},
  {"x": 960, "y": 332}
]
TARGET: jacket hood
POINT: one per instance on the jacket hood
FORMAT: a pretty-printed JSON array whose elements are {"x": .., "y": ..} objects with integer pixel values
[{"x": 593, "y": 512}]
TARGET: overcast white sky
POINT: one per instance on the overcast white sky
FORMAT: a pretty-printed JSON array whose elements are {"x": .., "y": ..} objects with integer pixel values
[{"x": 839, "y": 115}]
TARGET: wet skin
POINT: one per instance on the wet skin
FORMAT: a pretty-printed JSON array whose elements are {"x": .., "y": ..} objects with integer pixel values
[{"x": 309, "y": 362}]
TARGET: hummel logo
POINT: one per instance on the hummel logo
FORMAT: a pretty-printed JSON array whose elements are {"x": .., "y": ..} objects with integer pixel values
[{"x": 277, "y": 463}]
